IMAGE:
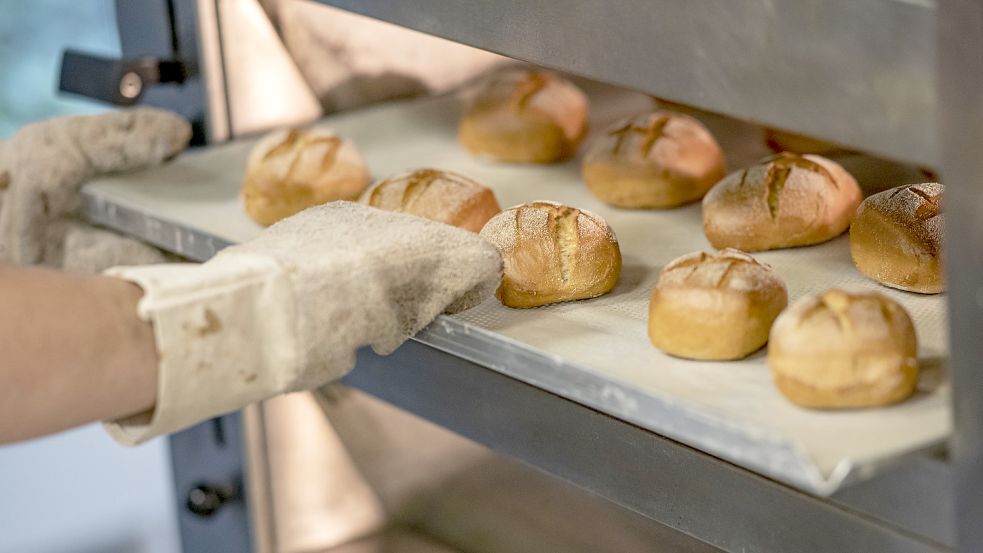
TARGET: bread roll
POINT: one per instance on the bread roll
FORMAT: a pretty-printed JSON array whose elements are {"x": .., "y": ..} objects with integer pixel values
[
  {"x": 553, "y": 253},
  {"x": 655, "y": 160},
  {"x": 841, "y": 350},
  {"x": 715, "y": 306},
  {"x": 289, "y": 171},
  {"x": 896, "y": 238},
  {"x": 525, "y": 116},
  {"x": 436, "y": 195},
  {"x": 785, "y": 201}
]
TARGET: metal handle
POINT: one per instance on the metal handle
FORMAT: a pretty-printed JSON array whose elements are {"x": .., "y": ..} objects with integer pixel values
[
  {"x": 116, "y": 81},
  {"x": 205, "y": 499}
]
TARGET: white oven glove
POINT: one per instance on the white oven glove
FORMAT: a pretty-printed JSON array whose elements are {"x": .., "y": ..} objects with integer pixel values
[
  {"x": 42, "y": 168},
  {"x": 287, "y": 311}
]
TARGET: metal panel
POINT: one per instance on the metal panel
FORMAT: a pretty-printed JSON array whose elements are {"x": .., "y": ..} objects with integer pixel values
[
  {"x": 857, "y": 73},
  {"x": 960, "y": 82},
  {"x": 721, "y": 504},
  {"x": 165, "y": 29},
  {"x": 210, "y": 455}
]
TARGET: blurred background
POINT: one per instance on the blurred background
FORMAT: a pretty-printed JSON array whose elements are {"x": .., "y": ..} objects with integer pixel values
[{"x": 79, "y": 491}]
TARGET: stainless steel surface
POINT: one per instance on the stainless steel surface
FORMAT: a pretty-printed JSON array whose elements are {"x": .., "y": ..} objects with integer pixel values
[
  {"x": 166, "y": 29},
  {"x": 210, "y": 454},
  {"x": 184, "y": 241},
  {"x": 258, "y": 479},
  {"x": 240, "y": 78},
  {"x": 960, "y": 82},
  {"x": 854, "y": 72},
  {"x": 915, "y": 496},
  {"x": 470, "y": 498},
  {"x": 723, "y": 505}
]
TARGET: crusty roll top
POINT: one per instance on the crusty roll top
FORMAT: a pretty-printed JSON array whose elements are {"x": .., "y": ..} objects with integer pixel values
[
  {"x": 714, "y": 306},
  {"x": 437, "y": 195},
  {"x": 727, "y": 269},
  {"x": 525, "y": 116},
  {"x": 841, "y": 349},
  {"x": 553, "y": 253},
  {"x": 290, "y": 170},
  {"x": 896, "y": 238},
  {"x": 787, "y": 200},
  {"x": 676, "y": 143},
  {"x": 535, "y": 94},
  {"x": 916, "y": 207}
]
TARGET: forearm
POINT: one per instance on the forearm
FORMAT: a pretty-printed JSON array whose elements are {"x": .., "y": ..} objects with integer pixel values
[{"x": 72, "y": 351}]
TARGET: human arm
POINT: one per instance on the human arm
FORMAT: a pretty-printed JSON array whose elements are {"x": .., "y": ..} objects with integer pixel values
[
  {"x": 283, "y": 312},
  {"x": 73, "y": 351}
]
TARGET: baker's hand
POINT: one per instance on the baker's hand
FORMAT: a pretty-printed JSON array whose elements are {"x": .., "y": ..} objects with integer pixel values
[
  {"x": 288, "y": 310},
  {"x": 43, "y": 167}
]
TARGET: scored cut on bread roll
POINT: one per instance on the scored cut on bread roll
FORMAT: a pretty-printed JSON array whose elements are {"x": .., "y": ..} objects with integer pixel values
[
  {"x": 437, "y": 195},
  {"x": 715, "y": 306},
  {"x": 896, "y": 238},
  {"x": 844, "y": 350},
  {"x": 525, "y": 116},
  {"x": 654, "y": 160},
  {"x": 785, "y": 201},
  {"x": 553, "y": 253},
  {"x": 291, "y": 170}
]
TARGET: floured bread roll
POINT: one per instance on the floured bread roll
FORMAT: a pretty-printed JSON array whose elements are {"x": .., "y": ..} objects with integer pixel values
[
  {"x": 553, "y": 253},
  {"x": 715, "y": 306},
  {"x": 785, "y": 201},
  {"x": 896, "y": 238},
  {"x": 436, "y": 195},
  {"x": 841, "y": 350},
  {"x": 655, "y": 160},
  {"x": 291, "y": 170},
  {"x": 525, "y": 116}
]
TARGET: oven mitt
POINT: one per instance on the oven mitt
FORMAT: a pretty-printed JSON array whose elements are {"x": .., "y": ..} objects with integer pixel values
[
  {"x": 43, "y": 167},
  {"x": 286, "y": 311}
]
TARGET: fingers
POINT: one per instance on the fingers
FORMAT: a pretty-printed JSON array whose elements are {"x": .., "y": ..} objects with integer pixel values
[{"x": 45, "y": 163}]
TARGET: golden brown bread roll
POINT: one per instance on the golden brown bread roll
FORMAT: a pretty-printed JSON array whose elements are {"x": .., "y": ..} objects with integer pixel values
[
  {"x": 553, "y": 253},
  {"x": 289, "y": 171},
  {"x": 715, "y": 306},
  {"x": 896, "y": 238},
  {"x": 842, "y": 350},
  {"x": 654, "y": 160},
  {"x": 436, "y": 195},
  {"x": 525, "y": 116},
  {"x": 785, "y": 201}
]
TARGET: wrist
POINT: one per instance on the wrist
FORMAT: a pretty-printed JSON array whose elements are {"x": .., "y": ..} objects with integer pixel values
[{"x": 225, "y": 336}]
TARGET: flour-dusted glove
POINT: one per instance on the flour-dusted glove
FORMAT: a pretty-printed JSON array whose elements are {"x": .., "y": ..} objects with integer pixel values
[
  {"x": 287, "y": 310},
  {"x": 43, "y": 167}
]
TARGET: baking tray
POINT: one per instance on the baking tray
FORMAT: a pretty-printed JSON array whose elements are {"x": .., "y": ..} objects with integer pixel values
[{"x": 594, "y": 352}]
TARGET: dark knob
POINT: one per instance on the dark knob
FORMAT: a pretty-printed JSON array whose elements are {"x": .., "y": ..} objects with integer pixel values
[
  {"x": 205, "y": 499},
  {"x": 116, "y": 81}
]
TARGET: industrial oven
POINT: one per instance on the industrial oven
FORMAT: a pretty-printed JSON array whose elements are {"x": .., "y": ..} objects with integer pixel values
[{"x": 494, "y": 431}]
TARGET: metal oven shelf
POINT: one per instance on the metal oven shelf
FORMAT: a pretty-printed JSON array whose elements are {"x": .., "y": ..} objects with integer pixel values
[{"x": 729, "y": 410}]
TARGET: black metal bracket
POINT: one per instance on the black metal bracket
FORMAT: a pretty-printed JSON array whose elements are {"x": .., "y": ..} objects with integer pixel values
[{"x": 116, "y": 81}]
